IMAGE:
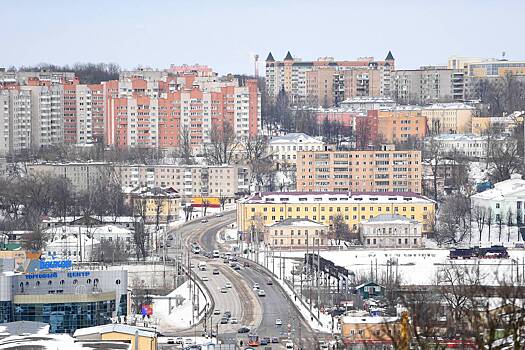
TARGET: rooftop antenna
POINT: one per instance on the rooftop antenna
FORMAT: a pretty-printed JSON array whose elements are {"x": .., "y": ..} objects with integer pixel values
[{"x": 256, "y": 63}]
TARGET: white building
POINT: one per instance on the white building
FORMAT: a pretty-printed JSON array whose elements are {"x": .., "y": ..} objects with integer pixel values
[
  {"x": 100, "y": 233},
  {"x": 368, "y": 103},
  {"x": 391, "y": 231},
  {"x": 468, "y": 145},
  {"x": 73, "y": 248},
  {"x": 506, "y": 198},
  {"x": 284, "y": 148}
]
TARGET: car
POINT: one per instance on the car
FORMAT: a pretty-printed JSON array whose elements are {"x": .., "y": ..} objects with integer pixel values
[
  {"x": 215, "y": 271},
  {"x": 261, "y": 293},
  {"x": 232, "y": 264},
  {"x": 204, "y": 220},
  {"x": 236, "y": 267},
  {"x": 188, "y": 341},
  {"x": 170, "y": 238},
  {"x": 233, "y": 320},
  {"x": 269, "y": 282},
  {"x": 224, "y": 320},
  {"x": 264, "y": 341},
  {"x": 171, "y": 341},
  {"x": 224, "y": 290},
  {"x": 243, "y": 330},
  {"x": 168, "y": 244},
  {"x": 278, "y": 322},
  {"x": 228, "y": 285},
  {"x": 227, "y": 314},
  {"x": 256, "y": 286},
  {"x": 246, "y": 264},
  {"x": 216, "y": 254},
  {"x": 289, "y": 345},
  {"x": 216, "y": 312},
  {"x": 218, "y": 215},
  {"x": 225, "y": 261},
  {"x": 179, "y": 341},
  {"x": 204, "y": 278},
  {"x": 275, "y": 340}
]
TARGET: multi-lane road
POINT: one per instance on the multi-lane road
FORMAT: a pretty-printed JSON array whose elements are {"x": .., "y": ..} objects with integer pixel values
[{"x": 257, "y": 313}]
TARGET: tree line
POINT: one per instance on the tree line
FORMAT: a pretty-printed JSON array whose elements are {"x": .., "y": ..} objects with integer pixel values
[{"x": 87, "y": 73}]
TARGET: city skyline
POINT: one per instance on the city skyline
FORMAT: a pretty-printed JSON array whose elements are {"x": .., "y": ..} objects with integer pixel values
[{"x": 225, "y": 37}]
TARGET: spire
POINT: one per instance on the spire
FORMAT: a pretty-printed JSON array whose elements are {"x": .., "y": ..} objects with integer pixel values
[
  {"x": 270, "y": 58},
  {"x": 288, "y": 57},
  {"x": 389, "y": 57}
]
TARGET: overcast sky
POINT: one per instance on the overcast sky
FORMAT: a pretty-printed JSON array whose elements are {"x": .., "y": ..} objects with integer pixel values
[{"x": 225, "y": 34}]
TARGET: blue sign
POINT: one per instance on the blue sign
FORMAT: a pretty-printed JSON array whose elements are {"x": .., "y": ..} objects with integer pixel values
[{"x": 55, "y": 264}]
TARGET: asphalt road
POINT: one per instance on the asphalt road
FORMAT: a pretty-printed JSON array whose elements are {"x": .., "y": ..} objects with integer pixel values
[{"x": 275, "y": 305}]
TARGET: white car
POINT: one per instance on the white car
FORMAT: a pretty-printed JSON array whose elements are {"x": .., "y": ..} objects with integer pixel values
[
  {"x": 233, "y": 320},
  {"x": 261, "y": 293},
  {"x": 256, "y": 286},
  {"x": 204, "y": 278},
  {"x": 289, "y": 345},
  {"x": 278, "y": 322},
  {"x": 228, "y": 285},
  {"x": 216, "y": 312},
  {"x": 188, "y": 341}
]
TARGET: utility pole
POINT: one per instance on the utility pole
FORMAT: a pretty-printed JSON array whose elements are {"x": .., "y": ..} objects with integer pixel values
[{"x": 318, "y": 275}]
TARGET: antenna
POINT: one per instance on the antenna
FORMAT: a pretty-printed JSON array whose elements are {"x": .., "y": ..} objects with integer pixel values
[{"x": 256, "y": 63}]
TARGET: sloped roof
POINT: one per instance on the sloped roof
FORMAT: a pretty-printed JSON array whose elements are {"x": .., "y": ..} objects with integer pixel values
[
  {"x": 391, "y": 218},
  {"x": 389, "y": 56},
  {"x": 270, "y": 58},
  {"x": 297, "y": 222},
  {"x": 115, "y": 327},
  {"x": 509, "y": 187},
  {"x": 288, "y": 56}
]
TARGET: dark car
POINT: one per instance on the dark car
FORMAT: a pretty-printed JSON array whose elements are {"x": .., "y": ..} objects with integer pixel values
[
  {"x": 215, "y": 271},
  {"x": 236, "y": 267},
  {"x": 264, "y": 341},
  {"x": 224, "y": 320},
  {"x": 269, "y": 282},
  {"x": 227, "y": 314},
  {"x": 244, "y": 330},
  {"x": 246, "y": 264}
]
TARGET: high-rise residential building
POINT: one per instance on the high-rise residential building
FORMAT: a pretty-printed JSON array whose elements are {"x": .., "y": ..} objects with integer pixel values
[
  {"x": 385, "y": 170},
  {"x": 16, "y": 120},
  {"x": 325, "y": 81},
  {"x": 428, "y": 85}
]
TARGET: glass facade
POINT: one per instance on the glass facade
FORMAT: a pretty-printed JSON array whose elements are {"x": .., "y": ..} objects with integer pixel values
[
  {"x": 6, "y": 311},
  {"x": 67, "y": 317}
]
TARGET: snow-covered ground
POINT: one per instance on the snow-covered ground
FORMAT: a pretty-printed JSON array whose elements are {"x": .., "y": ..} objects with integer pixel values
[{"x": 172, "y": 317}]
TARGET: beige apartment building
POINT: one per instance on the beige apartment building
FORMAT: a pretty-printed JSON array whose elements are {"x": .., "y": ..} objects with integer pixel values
[
  {"x": 83, "y": 176},
  {"x": 188, "y": 180},
  {"x": 449, "y": 118},
  {"x": 386, "y": 170},
  {"x": 296, "y": 233}
]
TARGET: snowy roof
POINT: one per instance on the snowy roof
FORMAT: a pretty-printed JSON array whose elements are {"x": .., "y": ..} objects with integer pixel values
[
  {"x": 390, "y": 218},
  {"x": 336, "y": 197},
  {"x": 71, "y": 240},
  {"x": 369, "y": 99},
  {"x": 514, "y": 186},
  {"x": 115, "y": 327},
  {"x": 297, "y": 223},
  {"x": 107, "y": 219},
  {"x": 21, "y": 327},
  {"x": 73, "y": 230},
  {"x": 294, "y": 138},
  {"x": 40, "y": 342},
  {"x": 368, "y": 319},
  {"x": 451, "y": 105}
]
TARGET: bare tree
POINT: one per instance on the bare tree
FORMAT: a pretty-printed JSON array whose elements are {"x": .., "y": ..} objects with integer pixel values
[
  {"x": 223, "y": 144},
  {"x": 480, "y": 214},
  {"x": 185, "y": 150},
  {"x": 489, "y": 217},
  {"x": 339, "y": 229},
  {"x": 432, "y": 152},
  {"x": 454, "y": 219},
  {"x": 510, "y": 222},
  {"x": 504, "y": 160}
]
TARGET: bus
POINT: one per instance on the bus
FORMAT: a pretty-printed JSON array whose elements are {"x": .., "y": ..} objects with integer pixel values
[{"x": 253, "y": 340}]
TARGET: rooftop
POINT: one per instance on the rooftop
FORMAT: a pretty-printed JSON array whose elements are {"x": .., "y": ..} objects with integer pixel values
[
  {"x": 335, "y": 197},
  {"x": 513, "y": 186},
  {"x": 390, "y": 218},
  {"x": 459, "y": 137},
  {"x": 115, "y": 327},
  {"x": 368, "y": 319},
  {"x": 294, "y": 137}
]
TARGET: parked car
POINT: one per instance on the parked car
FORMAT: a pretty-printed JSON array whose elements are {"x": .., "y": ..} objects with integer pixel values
[
  {"x": 264, "y": 341},
  {"x": 215, "y": 271}
]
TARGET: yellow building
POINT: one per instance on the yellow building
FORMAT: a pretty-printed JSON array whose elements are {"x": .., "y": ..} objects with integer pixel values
[
  {"x": 454, "y": 118},
  {"x": 366, "y": 332},
  {"x": 140, "y": 338},
  {"x": 269, "y": 208},
  {"x": 157, "y": 202}
]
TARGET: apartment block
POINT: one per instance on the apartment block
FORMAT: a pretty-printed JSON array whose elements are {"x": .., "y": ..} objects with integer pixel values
[
  {"x": 82, "y": 176},
  {"x": 15, "y": 117},
  {"x": 449, "y": 117},
  {"x": 384, "y": 170},
  {"x": 188, "y": 180},
  {"x": 399, "y": 126},
  {"x": 427, "y": 85},
  {"x": 268, "y": 208},
  {"x": 327, "y": 82}
]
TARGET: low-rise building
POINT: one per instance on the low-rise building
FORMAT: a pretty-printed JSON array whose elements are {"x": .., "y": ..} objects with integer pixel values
[
  {"x": 284, "y": 149},
  {"x": 267, "y": 208},
  {"x": 296, "y": 233},
  {"x": 467, "y": 145},
  {"x": 449, "y": 117},
  {"x": 369, "y": 332},
  {"x": 385, "y": 170},
  {"x": 140, "y": 338},
  {"x": 392, "y": 231},
  {"x": 155, "y": 205},
  {"x": 506, "y": 200}
]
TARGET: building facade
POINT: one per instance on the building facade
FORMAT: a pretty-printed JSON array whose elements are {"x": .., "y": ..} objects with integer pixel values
[
  {"x": 325, "y": 81},
  {"x": 65, "y": 299},
  {"x": 467, "y": 145},
  {"x": 385, "y": 170},
  {"x": 296, "y": 233},
  {"x": 391, "y": 231},
  {"x": 455, "y": 118},
  {"x": 265, "y": 209},
  {"x": 284, "y": 149}
]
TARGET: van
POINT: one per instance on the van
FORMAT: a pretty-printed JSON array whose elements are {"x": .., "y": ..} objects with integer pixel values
[
  {"x": 202, "y": 266},
  {"x": 216, "y": 254}
]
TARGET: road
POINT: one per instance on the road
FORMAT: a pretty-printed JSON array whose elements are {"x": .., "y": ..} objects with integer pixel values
[{"x": 275, "y": 305}]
